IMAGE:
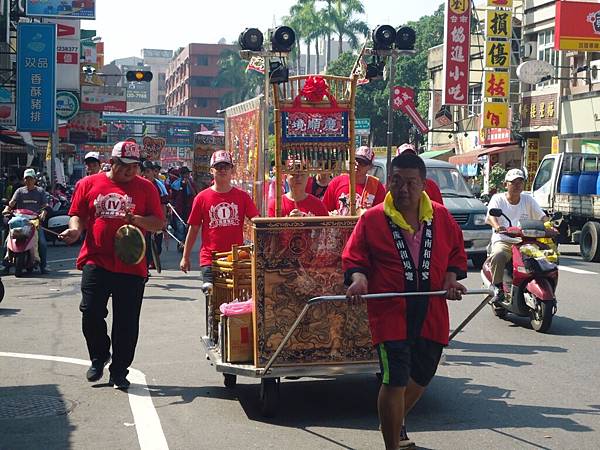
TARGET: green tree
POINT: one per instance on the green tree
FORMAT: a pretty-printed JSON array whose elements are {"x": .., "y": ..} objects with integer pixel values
[
  {"x": 411, "y": 71},
  {"x": 346, "y": 25},
  {"x": 232, "y": 74},
  {"x": 307, "y": 21}
]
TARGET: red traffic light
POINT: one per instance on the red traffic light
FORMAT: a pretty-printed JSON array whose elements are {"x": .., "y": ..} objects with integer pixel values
[{"x": 138, "y": 75}]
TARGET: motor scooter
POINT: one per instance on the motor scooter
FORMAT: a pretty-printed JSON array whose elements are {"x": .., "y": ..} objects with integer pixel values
[
  {"x": 531, "y": 276},
  {"x": 22, "y": 241},
  {"x": 58, "y": 218}
]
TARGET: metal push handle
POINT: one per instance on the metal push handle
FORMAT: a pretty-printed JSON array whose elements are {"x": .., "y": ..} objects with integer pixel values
[{"x": 332, "y": 298}]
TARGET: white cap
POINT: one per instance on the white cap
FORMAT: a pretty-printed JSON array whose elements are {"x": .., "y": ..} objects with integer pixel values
[
  {"x": 92, "y": 155},
  {"x": 513, "y": 174},
  {"x": 29, "y": 173}
]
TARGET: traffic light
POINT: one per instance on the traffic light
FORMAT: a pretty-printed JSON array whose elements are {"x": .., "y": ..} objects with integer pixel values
[{"x": 139, "y": 75}]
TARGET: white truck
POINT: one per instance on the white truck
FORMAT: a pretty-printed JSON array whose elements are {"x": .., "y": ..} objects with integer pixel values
[{"x": 555, "y": 189}]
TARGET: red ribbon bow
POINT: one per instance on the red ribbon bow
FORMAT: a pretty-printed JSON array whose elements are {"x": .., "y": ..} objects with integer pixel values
[{"x": 314, "y": 89}]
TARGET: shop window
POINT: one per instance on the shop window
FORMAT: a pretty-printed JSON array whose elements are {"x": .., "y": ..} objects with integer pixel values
[
  {"x": 546, "y": 52},
  {"x": 474, "y": 101}
]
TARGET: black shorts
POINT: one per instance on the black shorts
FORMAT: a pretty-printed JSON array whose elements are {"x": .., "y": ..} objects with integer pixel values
[{"x": 399, "y": 360}]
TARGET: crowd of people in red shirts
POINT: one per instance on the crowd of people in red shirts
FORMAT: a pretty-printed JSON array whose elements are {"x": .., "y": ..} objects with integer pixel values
[{"x": 423, "y": 251}]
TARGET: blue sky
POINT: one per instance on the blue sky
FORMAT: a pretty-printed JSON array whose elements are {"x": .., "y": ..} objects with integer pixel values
[{"x": 127, "y": 26}]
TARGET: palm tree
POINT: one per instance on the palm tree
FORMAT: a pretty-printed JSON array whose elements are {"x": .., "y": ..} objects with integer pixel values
[
  {"x": 295, "y": 23},
  {"x": 232, "y": 74},
  {"x": 307, "y": 20},
  {"x": 326, "y": 22},
  {"x": 345, "y": 25}
]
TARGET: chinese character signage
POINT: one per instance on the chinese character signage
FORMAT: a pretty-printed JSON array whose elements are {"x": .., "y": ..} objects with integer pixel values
[
  {"x": 539, "y": 111},
  {"x": 577, "y": 26},
  {"x": 555, "y": 145},
  {"x": 533, "y": 160},
  {"x": 76, "y": 9},
  {"x": 315, "y": 126},
  {"x": 403, "y": 100},
  {"x": 497, "y": 54},
  {"x": 67, "y": 54},
  {"x": 499, "y": 24},
  {"x": 497, "y": 84},
  {"x": 103, "y": 98},
  {"x": 457, "y": 39},
  {"x": 36, "y": 77},
  {"x": 495, "y": 115},
  {"x": 495, "y": 136},
  {"x": 500, "y": 3}
]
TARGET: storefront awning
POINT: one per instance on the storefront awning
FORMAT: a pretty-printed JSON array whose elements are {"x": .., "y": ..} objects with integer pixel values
[
  {"x": 499, "y": 149},
  {"x": 472, "y": 156},
  {"x": 434, "y": 153},
  {"x": 465, "y": 158}
]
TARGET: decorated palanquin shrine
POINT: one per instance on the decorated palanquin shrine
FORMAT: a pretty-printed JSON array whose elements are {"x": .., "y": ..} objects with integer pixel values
[{"x": 271, "y": 331}]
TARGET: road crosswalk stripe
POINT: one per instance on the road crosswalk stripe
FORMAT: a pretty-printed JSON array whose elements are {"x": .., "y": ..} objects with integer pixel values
[{"x": 147, "y": 423}]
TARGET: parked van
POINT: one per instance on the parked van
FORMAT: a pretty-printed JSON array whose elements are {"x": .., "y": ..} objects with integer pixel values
[{"x": 468, "y": 211}]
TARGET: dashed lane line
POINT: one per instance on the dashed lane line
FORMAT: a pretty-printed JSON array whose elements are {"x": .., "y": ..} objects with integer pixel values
[
  {"x": 578, "y": 271},
  {"x": 147, "y": 423}
]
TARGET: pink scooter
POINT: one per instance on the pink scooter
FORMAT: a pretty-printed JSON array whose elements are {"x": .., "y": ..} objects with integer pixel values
[{"x": 22, "y": 237}]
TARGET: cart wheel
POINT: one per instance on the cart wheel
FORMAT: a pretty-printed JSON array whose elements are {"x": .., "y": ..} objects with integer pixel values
[
  {"x": 229, "y": 380},
  {"x": 269, "y": 396}
]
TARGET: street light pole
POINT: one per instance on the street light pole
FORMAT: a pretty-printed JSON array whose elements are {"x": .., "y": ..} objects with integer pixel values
[{"x": 390, "y": 125}]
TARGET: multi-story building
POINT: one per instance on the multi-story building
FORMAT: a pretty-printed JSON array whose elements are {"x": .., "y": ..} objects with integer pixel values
[
  {"x": 189, "y": 80},
  {"x": 539, "y": 102},
  {"x": 459, "y": 130},
  {"x": 158, "y": 60}
]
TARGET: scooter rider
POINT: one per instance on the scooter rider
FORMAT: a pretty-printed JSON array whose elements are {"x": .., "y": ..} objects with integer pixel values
[
  {"x": 35, "y": 199},
  {"x": 516, "y": 206}
]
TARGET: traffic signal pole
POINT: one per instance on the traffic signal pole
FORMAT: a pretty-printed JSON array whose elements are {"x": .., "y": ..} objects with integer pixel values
[{"x": 390, "y": 127}]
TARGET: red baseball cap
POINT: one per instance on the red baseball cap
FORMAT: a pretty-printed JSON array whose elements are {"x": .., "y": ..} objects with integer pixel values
[
  {"x": 127, "y": 152},
  {"x": 220, "y": 156},
  {"x": 406, "y": 148},
  {"x": 365, "y": 153}
]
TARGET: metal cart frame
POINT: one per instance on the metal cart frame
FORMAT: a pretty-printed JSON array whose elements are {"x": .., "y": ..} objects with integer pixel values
[{"x": 270, "y": 376}]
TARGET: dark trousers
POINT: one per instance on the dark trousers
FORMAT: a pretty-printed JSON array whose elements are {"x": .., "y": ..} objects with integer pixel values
[
  {"x": 127, "y": 291},
  {"x": 158, "y": 239}
]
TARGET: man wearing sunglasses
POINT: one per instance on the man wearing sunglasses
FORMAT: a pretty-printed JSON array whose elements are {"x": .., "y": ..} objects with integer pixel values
[
  {"x": 369, "y": 190},
  {"x": 220, "y": 210}
]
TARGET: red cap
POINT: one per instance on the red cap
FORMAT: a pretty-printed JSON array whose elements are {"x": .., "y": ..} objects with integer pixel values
[
  {"x": 365, "y": 153},
  {"x": 220, "y": 156},
  {"x": 127, "y": 152},
  {"x": 406, "y": 148}
]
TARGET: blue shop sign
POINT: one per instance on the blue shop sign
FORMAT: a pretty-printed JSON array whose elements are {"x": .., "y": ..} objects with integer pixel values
[{"x": 36, "y": 77}]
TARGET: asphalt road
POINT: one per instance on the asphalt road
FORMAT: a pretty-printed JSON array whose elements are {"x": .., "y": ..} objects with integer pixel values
[{"x": 502, "y": 385}]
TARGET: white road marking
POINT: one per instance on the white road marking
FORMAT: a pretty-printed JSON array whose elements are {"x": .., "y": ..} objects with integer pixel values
[
  {"x": 63, "y": 260},
  {"x": 147, "y": 422},
  {"x": 574, "y": 270}
]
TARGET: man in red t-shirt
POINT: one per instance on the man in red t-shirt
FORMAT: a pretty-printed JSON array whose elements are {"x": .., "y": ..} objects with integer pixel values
[
  {"x": 101, "y": 205},
  {"x": 369, "y": 190},
  {"x": 431, "y": 188},
  {"x": 297, "y": 202},
  {"x": 406, "y": 244},
  {"x": 220, "y": 210}
]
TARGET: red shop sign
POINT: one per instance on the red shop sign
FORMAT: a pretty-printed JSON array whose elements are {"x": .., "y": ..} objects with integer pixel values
[{"x": 457, "y": 43}]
